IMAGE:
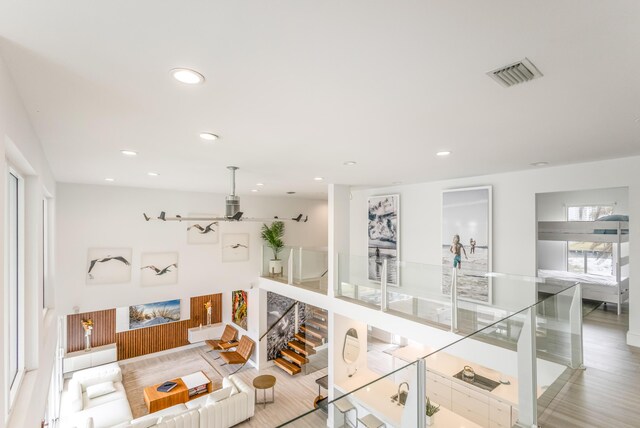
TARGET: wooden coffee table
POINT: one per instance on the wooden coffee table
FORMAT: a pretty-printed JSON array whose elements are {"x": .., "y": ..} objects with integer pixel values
[{"x": 156, "y": 400}]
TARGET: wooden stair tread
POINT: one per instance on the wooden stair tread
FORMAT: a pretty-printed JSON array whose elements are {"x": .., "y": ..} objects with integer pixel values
[
  {"x": 294, "y": 356},
  {"x": 309, "y": 340},
  {"x": 287, "y": 366},
  {"x": 312, "y": 331},
  {"x": 301, "y": 347},
  {"x": 317, "y": 324}
]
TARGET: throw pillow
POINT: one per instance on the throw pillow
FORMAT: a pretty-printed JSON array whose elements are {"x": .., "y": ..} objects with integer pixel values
[
  {"x": 219, "y": 395},
  {"x": 100, "y": 389},
  {"x": 166, "y": 418},
  {"x": 89, "y": 423},
  {"x": 144, "y": 423}
]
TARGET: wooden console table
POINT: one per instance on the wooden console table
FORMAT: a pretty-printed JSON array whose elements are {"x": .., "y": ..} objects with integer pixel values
[{"x": 156, "y": 400}]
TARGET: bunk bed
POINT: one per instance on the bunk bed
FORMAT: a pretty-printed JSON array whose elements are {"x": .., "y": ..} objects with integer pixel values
[{"x": 606, "y": 288}]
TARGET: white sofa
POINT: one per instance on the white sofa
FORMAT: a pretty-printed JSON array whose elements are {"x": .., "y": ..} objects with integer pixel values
[
  {"x": 112, "y": 409},
  {"x": 228, "y": 412},
  {"x": 77, "y": 408}
]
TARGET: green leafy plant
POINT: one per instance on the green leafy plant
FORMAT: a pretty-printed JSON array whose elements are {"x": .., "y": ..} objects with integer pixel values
[
  {"x": 431, "y": 409},
  {"x": 272, "y": 235}
]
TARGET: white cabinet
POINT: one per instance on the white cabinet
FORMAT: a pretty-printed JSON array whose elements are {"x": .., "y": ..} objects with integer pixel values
[
  {"x": 207, "y": 332},
  {"x": 439, "y": 389},
  {"x": 95, "y": 357},
  {"x": 470, "y": 404},
  {"x": 499, "y": 414}
]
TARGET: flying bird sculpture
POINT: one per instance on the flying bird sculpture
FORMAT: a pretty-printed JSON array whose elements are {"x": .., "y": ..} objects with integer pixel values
[{"x": 234, "y": 246}]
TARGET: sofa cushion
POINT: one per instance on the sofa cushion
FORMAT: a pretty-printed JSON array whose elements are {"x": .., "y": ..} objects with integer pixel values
[
  {"x": 104, "y": 388},
  {"x": 248, "y": 390},
  {"x": 106, "y": 415},
  {"x": 219, "y": 395},
  {"x": 95, "y": 375},
  {"x": 89, "y": 423},
  {"x": 74, "y": 395},
  {"x": 152, "y": 418},
  {"x": 197, "y": 402},
  {"x": 145, "y": 423}
]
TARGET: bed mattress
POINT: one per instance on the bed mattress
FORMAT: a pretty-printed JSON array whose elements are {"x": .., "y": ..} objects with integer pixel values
[{"x": 583, "y": 278}]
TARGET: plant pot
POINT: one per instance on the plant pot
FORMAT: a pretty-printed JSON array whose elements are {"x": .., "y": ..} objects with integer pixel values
[
  {"x": 275, "y": 267},
  {"x": 430, "y": 420}
]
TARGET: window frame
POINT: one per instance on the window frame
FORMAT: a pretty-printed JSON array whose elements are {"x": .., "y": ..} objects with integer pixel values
[
  {"x": 15, "y": 267},
  {"x": 585, "y": 267}
]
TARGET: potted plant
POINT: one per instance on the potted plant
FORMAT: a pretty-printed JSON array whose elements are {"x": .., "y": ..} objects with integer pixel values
[
  {"x": 431, "y": 411},
  {"x": 272, "y": 235}
]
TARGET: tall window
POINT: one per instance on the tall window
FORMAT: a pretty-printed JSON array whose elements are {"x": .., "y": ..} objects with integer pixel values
[
  {"x": 14, "y": 261},
  {"x": 589, "y": 257}
]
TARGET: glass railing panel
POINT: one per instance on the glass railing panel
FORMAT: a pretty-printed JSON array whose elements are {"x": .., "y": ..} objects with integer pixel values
[
  {"x": 391, "y": 399},
  {"x": 419, "y": 294},
  {"x": 357, "y": 280},
  {"x": 311, "y": 269}
]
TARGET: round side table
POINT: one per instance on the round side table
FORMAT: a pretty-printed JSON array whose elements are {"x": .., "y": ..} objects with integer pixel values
[{"x": 265, "y": 382}]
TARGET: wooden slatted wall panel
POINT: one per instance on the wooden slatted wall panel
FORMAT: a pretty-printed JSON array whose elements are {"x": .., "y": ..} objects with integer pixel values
[
  {"x": 104, "y": 329},
  {"x": 141, "y": 341},
  {"x": 199, "y": 313},
  {"x": 134, "y": 343}
]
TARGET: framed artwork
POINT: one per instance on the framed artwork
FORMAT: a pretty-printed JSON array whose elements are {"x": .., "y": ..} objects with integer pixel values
[
  {"x": 108, "y": 265},
  {"x": 284, "y": 330},
  {"x": 239, "y": 308},
  {"x": 159, "y": 269},
  {"x": 383, "y": 237},
  {"x": 235, "y": 247},
  {"x": 466, "y": 242},
  {"x": 151, "y": 314},
  {"x": 202, "y": 232}
]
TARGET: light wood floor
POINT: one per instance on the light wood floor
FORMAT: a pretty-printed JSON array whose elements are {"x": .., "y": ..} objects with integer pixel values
[
  {"x": 607, "y": 393},
  {"x": 294, "y": 395}
]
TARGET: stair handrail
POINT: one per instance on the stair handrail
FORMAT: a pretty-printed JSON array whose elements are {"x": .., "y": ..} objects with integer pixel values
[{"x": 278, "y": 320}]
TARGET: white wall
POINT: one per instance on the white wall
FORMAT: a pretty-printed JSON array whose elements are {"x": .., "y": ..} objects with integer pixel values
[
  {"x": 553, "y": 207},
  {"x": 19, "y": 145},
  {"x": 514, "y": 217},
  {"x": 91, "y": 216}
]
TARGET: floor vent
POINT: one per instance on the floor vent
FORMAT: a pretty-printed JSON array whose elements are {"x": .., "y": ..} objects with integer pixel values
[{"x": 513, "y": 74}]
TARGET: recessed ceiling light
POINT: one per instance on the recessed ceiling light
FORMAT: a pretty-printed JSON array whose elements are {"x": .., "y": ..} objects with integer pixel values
[
  {"x": 443, "y": 153},
  {"x": 188, "y": 76},
  {"x": 259, "y": 184},
  {"x": 129, "y": 152},
  {"x": 318, "y": 178},
  {"x": 152, "y": 174},
  {"x": 539, "y": 164},
  {"x": 109, "y": 179},
  {"x": 254, "y": 190},
  {"x": 349, "y": 163},
  {"x": 208, "y": 136}
]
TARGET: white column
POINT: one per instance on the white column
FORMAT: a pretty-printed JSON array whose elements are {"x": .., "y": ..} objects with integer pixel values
[{"x": 575, "y": 321}]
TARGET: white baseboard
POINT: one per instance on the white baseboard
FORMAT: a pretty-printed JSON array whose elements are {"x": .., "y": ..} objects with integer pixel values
[{"x": 633, "y": 339}]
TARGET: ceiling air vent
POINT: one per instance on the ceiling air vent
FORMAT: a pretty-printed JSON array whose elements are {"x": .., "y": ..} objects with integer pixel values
[{"x": 519, "y": 72}]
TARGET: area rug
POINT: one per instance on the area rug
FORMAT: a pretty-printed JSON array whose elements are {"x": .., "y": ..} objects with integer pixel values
[{"x": 153, "y": 370}]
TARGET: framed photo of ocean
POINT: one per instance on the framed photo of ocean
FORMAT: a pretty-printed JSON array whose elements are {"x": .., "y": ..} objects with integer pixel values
[{"x": 466, "y": 242}]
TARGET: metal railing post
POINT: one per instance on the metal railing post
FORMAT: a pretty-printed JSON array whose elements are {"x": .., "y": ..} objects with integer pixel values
[
  {"x": 454, "y": 300},
  {"x": 290, "y": 268},
  {"x": 528, "y": 371},
  {"x": 422, "y": 392},
  {"x": 383, "y": 287},
  {"x": 575, "y": 322}
]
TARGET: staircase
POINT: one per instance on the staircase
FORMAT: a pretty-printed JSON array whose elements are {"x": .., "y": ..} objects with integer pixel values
[{"x": 311, "y": 335}]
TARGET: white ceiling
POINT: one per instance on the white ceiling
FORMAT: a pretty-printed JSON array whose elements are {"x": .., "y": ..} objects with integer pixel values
[{"x": 297, "y": 87}]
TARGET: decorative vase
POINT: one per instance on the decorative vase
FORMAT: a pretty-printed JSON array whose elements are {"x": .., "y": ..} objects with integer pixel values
[
  {"x": 87, "y": 341},
  {"x": 430, "y": 420},
  {"x": 275, "y": 267},
  {"x": 208, "y": 316}
]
